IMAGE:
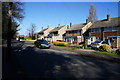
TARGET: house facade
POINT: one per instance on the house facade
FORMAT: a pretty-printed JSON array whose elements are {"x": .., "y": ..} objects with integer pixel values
[
  {"x": 77, "y": 32},
  {"x": 43, "y": 33},
  {"x": 107, "y": 29},
  {"x": 56, "y": 33}
]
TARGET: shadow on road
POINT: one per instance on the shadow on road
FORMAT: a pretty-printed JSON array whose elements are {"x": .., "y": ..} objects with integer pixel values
[{"x": 42, "y": 63}]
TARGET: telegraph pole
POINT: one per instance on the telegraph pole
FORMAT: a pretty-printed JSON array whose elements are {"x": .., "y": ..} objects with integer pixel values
[{"x": 9, "y": 29}]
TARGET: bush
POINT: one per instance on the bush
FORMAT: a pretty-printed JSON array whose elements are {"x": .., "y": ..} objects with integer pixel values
[
  {"x": 60, "y": 43},
  {"x": 28, "y": 38},
  {"x": 117, "y": 51},
  {"x": 105, "y": 47}
]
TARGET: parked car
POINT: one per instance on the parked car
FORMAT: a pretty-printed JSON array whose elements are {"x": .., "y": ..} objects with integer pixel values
[
  {"x": 21, "y": 39},
  {"x": 60, "y": 40},
  {"x": 97, "y": 44},
  {"x": 42, "y": 43}
]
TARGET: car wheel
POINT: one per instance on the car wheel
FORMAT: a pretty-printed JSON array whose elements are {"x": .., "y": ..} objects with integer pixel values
[
  {"x": 39, "y": 46},
  {"x": 48, "y": 47}
]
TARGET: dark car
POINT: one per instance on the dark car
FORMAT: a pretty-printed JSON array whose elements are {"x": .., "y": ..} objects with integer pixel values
[
  {"x": 21, "y": 39},
  {"x": 42, "y": 43}
]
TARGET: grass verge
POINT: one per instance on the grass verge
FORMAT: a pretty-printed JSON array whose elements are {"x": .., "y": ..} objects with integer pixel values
[
  {"x": 107, "y": 53},
  {"x": 65, "y": 47}
]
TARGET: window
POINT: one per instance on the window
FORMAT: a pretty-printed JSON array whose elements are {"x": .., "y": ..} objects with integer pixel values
[
  {"x": 114, "y": 28},
  {"x": 76, "y": 31},
  {"x": 74, "y": 39},
  {"x": 96, "y": 30},
  {"x": 107, "y": 29},
  {"x": 104, "y": 42},
  {"x": 110, "y": 29}
]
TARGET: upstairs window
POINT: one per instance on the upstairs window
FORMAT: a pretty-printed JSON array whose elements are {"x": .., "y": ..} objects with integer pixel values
[
  {"x": 96, "y": 30},
  {"x": 110, "y": 29},
  {"x": 76, "y": 31}
]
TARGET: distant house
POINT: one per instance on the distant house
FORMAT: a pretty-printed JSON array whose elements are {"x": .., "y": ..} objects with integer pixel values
[
  {"x": 56, "y": 33},
  {"x": 43, "y": 33},
  {"x": 107, "y": 29},
  {"x": 77, "y": 32}
]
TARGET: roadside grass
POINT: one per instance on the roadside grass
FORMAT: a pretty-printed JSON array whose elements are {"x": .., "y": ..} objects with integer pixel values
[
  {"x": 107, "y": 53},
  {"x": 112, "y": 53},
  {"x": 73, "y": 48},
  {"x": 64, "y": 47}
]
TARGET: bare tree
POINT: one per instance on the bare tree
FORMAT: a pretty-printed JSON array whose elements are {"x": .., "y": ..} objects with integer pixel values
[
  {"x": 32, "y": 31},
  {"x": 92, "y": 14}
]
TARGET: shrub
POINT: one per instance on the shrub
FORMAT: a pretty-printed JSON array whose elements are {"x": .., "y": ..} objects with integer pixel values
[
  {"x": 117, "y": 51},
  {"x": 60, "y": 43},
  {"x": 105, "y": 47},
  {"x": 28, "y": 38}
]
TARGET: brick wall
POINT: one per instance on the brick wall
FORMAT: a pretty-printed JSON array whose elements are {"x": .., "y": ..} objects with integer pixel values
[
  {"x": 97, "y": 34},
  {"x": 118, "y": 42},
  {"x": 110, "y": 33},
  {"x": 114, "y": 43},
  {"x": 77, "y": 34},
  {"x": 118, "y": 31}
]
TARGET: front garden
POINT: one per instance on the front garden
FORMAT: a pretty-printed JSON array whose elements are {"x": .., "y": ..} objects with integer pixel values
[{"x": 104, "y": 49}]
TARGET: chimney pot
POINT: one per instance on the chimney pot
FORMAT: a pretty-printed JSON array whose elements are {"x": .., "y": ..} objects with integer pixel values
[
  {"x": 86, "y": 21},
  {"x": 58, "y": 25},
  {"x": 108, "y": 17},
  {"x": 70, "y": 24}
]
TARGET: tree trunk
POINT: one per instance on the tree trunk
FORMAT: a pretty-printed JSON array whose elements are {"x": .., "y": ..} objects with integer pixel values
[{"x": 9, "y": 29}]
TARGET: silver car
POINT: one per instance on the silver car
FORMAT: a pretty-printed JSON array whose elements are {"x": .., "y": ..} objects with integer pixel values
[{"x": 97, "y": 44}]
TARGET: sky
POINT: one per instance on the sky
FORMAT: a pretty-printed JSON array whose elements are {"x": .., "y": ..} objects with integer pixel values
[{"x": 44, "y": 14}]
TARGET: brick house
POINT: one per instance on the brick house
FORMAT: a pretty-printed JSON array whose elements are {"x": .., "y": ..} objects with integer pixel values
[
  {"x": 77, "y": 32},
  {"x": 107, "y": 29},
  {"x": 56, "y": 33},
  {"x": 43, "y": 33}
]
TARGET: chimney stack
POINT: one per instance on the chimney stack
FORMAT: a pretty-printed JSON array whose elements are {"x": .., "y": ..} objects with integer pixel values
[
  {"x": 108, "y": 17},
  {"x": 86, "y": 21},
  {"x": 70, "y": 24},
  {"x": 58, "y": 25}
]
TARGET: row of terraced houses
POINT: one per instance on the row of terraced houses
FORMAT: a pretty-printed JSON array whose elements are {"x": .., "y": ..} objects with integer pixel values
[{"x": 106, "y": 29}]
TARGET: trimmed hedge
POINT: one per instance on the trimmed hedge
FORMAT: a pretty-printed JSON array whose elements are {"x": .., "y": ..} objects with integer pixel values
[
  {"x": 105, "y": 47},
  {"x": 60, "y": 43}
]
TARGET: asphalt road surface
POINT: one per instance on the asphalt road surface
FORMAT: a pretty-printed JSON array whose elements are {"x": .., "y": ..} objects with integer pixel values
[{"x": 48, "y": 63}]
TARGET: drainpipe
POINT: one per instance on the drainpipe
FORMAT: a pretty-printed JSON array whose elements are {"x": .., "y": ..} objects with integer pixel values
[{"x": 102, "y": 33}]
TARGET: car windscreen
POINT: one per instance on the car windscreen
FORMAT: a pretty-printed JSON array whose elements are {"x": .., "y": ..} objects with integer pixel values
[
  {"x": 44, "y": 41},
  {"x": 21, "y": 37},
  {"x": 97, "y": 41}
]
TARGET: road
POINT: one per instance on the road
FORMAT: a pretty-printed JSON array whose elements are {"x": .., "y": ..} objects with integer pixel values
[{"x": 49, "y": 63}]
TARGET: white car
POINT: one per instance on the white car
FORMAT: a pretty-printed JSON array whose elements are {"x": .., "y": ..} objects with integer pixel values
[{"x": 97, "y": 44}]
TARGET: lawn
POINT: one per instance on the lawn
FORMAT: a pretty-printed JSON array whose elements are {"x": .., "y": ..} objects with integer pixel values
[
  {"x": 64, "y": 47},
  {"x": 98, "y": 52},
  {"x": 107, "y": 53}
]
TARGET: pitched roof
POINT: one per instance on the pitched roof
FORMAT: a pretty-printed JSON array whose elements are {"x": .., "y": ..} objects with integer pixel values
[
  {"x": 42, "y": 31},
  {"x": 76, "y": 26},
  {"x": 56, "y": 29},
  {"x": 105, "y": 23}
]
